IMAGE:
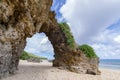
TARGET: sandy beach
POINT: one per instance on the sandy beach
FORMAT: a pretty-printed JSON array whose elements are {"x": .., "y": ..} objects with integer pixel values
[{"x": 44, "y": 71}]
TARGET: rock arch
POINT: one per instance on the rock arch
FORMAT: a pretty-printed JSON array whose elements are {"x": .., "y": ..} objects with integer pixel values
[{"x": 20, "y": 19}]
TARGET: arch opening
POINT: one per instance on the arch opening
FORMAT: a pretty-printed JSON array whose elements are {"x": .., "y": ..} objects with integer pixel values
[{"x": 39, "y": 45}]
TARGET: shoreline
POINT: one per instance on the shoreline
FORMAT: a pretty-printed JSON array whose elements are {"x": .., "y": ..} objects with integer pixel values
[
  {"x": 45, "y": 71},
  {"x": 114, "y": 69},
  {"x": 109, "y": 67}
]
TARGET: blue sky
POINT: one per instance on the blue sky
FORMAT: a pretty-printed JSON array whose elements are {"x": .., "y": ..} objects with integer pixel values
[{"x": 95, "y": 22}]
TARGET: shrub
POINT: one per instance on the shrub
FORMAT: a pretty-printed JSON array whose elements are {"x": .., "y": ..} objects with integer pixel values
[
  {"x": 88, "y": 50},
  {"x": 25, "y": 56},
  {"x": 66, "y": 30}
]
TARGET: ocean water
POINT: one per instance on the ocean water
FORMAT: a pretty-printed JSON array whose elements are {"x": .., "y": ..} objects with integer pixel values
[{"x": 110, "y": 64}]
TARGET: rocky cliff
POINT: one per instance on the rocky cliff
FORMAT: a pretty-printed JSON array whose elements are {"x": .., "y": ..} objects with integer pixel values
[{"x": 20, "y": 19}]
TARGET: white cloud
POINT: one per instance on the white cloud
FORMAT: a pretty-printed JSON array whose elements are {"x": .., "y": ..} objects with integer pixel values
[
  {"x": 105, "y": 44},
  {"x": 90, "y": 22},
  {"x": 87, "y": 18},
  {"x": 117, "y": 39},
  {"x": 107, "y": 51}
]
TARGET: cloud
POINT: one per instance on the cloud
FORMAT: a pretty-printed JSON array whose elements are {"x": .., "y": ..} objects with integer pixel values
[
  {"x": 88, "y": 18},
  {"x": 105, "y": 44},
  {"x": 117, "y": 39},
  {"x": 40, "y": 45},
  {"x": 107, "y": 51},
  {"x": 96, "y": 23}
]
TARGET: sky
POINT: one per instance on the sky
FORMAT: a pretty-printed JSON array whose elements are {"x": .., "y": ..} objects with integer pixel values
[{"x": 95, "y": 22}]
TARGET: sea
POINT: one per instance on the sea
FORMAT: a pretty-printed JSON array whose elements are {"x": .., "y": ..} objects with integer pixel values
[{"x": 110, "y": 64}]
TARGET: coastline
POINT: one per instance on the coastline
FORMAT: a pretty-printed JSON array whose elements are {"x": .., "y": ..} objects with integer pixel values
[
  {"x": 44, "y": 71},
  {"x": 113, "y": 64}
]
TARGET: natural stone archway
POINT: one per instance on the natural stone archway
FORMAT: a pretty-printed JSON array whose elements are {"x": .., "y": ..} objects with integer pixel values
[{"x": 20, "y": 19}]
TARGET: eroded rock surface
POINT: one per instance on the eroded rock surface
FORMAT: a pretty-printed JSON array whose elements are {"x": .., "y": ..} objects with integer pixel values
[{"x": 20, "y": 19}]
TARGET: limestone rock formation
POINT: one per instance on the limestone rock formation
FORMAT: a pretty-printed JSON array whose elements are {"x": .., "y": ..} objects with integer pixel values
[{"x": 20, "y": 19}]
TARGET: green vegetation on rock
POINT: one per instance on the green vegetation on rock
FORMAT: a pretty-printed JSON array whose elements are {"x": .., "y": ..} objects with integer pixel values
[
  {"x": 70, "y": 39},
  {"x": 88, "y": 50},
  {"x": 25, "y": 56}
]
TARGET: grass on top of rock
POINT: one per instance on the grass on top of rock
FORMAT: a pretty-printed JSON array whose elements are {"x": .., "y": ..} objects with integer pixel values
[
  {"x": 88, "y": 50},
  {"x": 70, "y": 39},
  {"x": 25, "y": 56}
]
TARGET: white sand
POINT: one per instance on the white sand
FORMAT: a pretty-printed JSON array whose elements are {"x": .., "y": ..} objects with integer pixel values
[{"x": 44, "y": 71}]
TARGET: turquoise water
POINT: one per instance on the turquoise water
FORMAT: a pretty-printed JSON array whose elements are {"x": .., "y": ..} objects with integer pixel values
[{"x": 110, "y": 63}]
